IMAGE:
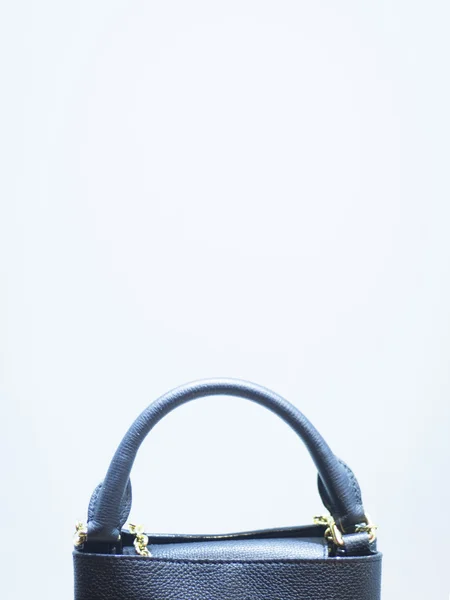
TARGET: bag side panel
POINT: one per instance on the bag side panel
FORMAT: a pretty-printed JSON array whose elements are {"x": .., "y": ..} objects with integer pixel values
[{"x": 109, "y": 577}]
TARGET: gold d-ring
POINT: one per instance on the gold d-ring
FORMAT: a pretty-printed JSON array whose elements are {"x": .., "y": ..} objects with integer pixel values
[
  {"x": 332, "y": 531},
  {"x": 369, "y": 528}
]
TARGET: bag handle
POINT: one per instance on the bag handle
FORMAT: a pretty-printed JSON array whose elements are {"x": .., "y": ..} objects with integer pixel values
[{"x": 111, "y": 502}]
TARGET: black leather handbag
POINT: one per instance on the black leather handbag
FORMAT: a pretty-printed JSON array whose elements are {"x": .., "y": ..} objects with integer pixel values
[{"x": 335, "y": 558}]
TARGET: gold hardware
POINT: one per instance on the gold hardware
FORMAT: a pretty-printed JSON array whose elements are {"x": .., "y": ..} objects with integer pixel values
[
  {"x": 141, "y": 540},
  {"x": 80, "y": 536},
  {"x": 332, "y": 532},
  {"x": 369, "y": 528},
  {"x": 334, "y": 535}
]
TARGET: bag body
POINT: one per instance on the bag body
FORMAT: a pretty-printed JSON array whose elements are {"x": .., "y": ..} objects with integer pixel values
[{"x": 333, "y": 559}]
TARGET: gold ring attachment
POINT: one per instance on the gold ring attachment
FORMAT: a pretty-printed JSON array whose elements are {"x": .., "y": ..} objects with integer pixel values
[
  {"x": 332, "y": 532},
  {"x": 140, "y": 540},
  {"x": 369, "y": 528},
  {"x": 80, "y": 536},
  {"x": 334, "y": 535}
]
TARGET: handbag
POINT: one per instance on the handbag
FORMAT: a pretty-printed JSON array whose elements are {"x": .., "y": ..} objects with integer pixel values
[{"x": 334, "y": 558}]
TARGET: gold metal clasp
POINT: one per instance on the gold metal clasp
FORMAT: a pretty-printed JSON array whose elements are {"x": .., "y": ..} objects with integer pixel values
[
  {"x": 140, "y": 540},
  {"x": 369, "y": 528},
  {"x": 332, "y": 531},
  {"x": 80, "y": 536},
  {"x": 334, "y": 535}
]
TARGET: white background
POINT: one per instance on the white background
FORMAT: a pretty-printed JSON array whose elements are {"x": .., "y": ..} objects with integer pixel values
[{"x": 247, "y": 189}]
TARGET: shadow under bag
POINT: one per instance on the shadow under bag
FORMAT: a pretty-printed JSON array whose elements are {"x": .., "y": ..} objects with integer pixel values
[{"x": 335, "y": 558}]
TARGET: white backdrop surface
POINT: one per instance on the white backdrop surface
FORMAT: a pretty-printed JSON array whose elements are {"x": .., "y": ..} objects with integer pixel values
[{"x": 247, "y": 189}]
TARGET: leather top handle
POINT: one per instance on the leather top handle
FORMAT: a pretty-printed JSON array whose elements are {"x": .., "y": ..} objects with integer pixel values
[{"x": 111, "y": 501}]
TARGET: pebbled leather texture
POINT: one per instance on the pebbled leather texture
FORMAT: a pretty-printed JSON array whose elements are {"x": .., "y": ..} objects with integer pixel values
[
  {"x": 121, "y": 577},
  {"x": 278, "y": 543},
  {"x": 357, "y": 544},
  {"x": 271, "y": 549},
  {"x": 325, "y": 496},
  {"x": 125, "y": 504},
  {"x": 111, "y": 502},
  {"x": 280, "y": 533},
  {"x": 307, "y": 541}
]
